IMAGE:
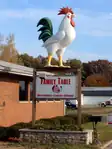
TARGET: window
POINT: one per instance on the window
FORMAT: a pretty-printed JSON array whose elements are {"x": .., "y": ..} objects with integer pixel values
[
  {"x": 31, "y": 89},
  {"x": 23, "y": 91}
]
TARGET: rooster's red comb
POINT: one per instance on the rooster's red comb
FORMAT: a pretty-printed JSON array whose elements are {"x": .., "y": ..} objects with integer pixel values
[{"x": 65, "y": 10}]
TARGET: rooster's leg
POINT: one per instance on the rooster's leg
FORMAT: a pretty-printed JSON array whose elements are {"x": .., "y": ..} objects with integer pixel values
[
  {"x": 49, "y": 60},
  {"x": 60, "y": 56},
  {"x": 60, "y": 61}
]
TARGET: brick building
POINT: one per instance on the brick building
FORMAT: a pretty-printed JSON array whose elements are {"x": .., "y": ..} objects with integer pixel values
[{"x": 15, "y": 96}]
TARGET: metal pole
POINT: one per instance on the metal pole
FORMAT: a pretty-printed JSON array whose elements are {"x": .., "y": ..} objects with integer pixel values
[
  {"x": 79, "y": 99},
  {"x": 34, "y": 98}
]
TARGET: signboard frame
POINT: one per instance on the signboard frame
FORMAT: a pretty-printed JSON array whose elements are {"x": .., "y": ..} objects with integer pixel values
[{"x": 55, "y": 70}]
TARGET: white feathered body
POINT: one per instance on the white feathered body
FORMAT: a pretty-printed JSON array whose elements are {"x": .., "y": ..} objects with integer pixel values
[{"x": 64, "y": 37}]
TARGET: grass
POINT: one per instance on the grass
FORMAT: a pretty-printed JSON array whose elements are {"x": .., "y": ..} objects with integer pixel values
[
  {"x": 93, "y": 110},
  {"x": 97, "y": 110},
  {"x": 104, "y": 130}
]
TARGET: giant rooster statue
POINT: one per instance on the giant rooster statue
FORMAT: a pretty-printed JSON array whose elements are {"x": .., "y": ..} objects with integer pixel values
[{"x": 57, "y": 43}]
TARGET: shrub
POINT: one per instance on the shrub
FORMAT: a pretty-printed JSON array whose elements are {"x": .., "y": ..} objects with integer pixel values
[
  {"x": 84, "y": 118},
  {"x": 12, "y": 131},
  {"x": 3, "y": 133},
  {"x": 64, "y": 127},
  {"x": 22, "y": 125},
  {"x": 44, "y": 126},
  {"x": 68, "y": 122}
]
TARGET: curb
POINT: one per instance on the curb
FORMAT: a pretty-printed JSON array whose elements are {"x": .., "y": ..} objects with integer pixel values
[{"x": 106, "y": 145}]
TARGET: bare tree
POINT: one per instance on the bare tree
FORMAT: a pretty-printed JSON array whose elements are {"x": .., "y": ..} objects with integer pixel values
[{"x": 8, "y": 51}]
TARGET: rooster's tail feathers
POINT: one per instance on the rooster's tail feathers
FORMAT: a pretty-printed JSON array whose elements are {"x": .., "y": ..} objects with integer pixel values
[{"x": 46, "y": 29}]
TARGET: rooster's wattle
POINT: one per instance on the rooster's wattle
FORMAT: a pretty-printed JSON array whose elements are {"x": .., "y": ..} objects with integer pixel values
[{"x": 57, "y": 43}]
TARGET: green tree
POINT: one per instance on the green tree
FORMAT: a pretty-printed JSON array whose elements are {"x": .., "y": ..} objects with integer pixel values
[
  {"x": 30, "y": 61},
  {"x": 74, "y": 63}
]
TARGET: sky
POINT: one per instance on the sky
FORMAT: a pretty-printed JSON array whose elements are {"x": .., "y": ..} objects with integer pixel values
[{"x": 93, "y": 26}]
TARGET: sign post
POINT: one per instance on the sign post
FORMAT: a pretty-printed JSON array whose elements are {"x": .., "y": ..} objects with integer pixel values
[
  {"x": 34, "y": 98},
  {"x": 79, "y": 98}
]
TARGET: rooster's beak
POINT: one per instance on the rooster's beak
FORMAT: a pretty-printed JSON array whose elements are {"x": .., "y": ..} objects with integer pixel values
[{"x": 73, "y": 15}]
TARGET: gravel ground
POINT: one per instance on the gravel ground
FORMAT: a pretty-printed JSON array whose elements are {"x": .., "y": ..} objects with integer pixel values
[
  {"x": 9, "y": 146},
  {"x": 109, "y": 147}
]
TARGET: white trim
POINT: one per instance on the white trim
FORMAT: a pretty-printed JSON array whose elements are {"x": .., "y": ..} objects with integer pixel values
[
  {"x": 24, "y": 101},
  {"x": 18, "y": 69},
  {"x": 96, "y": 88},
  {"x": 47, "y": 101}
]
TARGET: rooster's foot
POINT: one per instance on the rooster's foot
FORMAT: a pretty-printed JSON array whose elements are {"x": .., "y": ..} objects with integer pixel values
[
  {"x": 48, "y": 65},
  {"x": 64, "y": 66},
  {"x": 51, "y": 65},
  {"x": 55, "y": 66}
]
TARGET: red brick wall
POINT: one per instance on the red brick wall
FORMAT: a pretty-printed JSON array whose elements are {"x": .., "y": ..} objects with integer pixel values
[
  {"x": 15, "y": 111},
  {"x": 9, "y": 89}
]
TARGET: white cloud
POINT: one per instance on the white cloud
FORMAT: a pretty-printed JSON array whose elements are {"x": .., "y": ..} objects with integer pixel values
[
  {"x": 98, "y": 24},
  {"x": 83, "y": 56},
  {"x": 87, "y": 22},
  {"x": 101, "y": 33},
  {"x": 28, "y": 13}
]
